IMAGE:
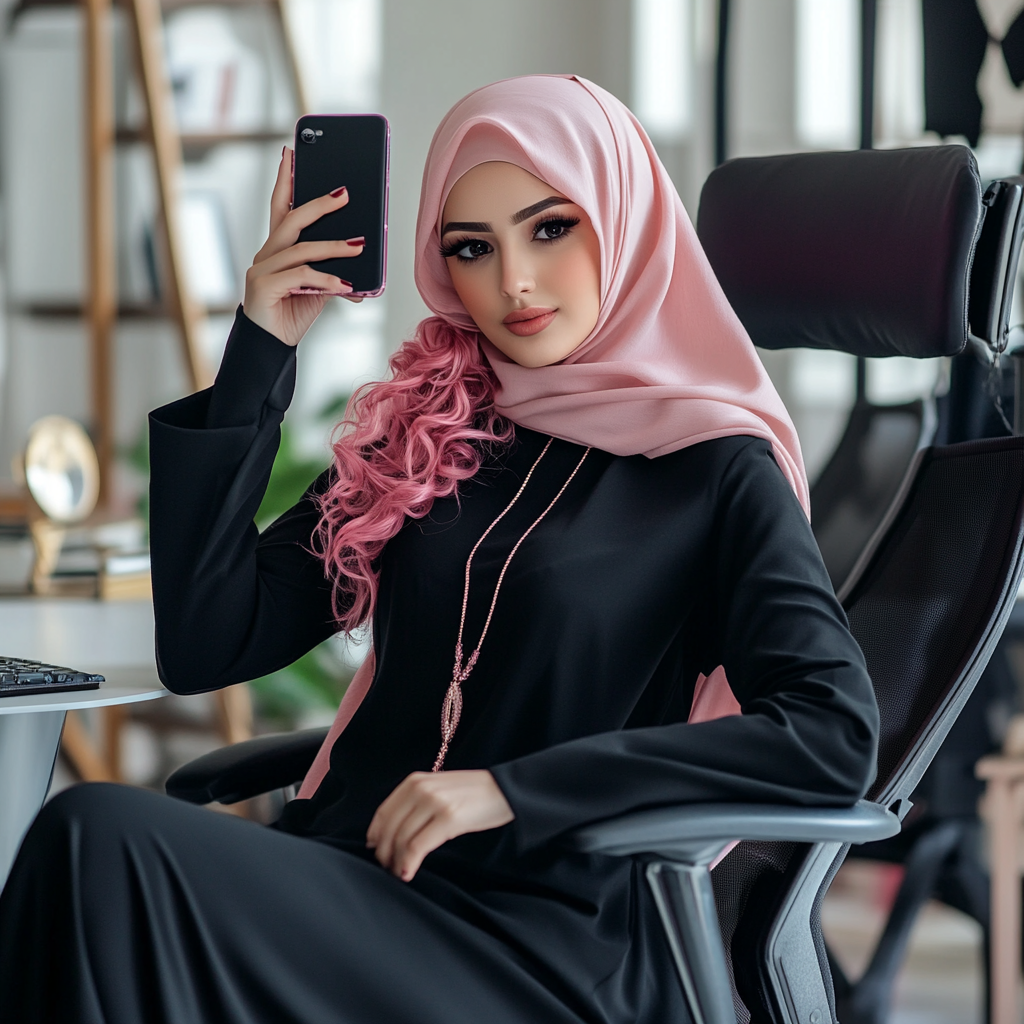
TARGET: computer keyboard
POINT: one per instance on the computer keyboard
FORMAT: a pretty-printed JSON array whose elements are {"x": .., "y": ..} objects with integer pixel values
[{"x": 19, "y": 676}]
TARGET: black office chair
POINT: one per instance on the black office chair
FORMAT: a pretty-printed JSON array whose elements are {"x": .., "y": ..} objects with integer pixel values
[
  {"x": 857, "y": 485},
  {"x": 941, "y": 845},
  {"x": 855, "y": 489},
  {"x": 870, "y": 253}
]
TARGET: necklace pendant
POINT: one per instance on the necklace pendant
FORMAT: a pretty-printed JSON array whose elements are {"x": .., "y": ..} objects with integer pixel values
[{"x": 451, "y": 711}]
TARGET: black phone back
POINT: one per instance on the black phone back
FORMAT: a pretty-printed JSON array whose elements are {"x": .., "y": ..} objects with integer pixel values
[{"x": 332, "y": 150}]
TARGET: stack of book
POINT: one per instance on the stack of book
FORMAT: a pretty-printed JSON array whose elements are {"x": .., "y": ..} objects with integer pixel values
[
  {"x": 108, "y": 561},
  {"x": 124, "y": 576}
]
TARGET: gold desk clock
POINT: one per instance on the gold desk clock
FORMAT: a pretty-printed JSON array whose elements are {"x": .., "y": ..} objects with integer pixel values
[{"x": 62, "y": 477}]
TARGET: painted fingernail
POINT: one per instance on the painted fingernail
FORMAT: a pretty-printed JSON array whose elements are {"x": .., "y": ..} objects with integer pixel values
[
  {"x": 361, "y": 240},
  {"x": 338, "y": 192},
  {"x": 283, "y": 148},
  {"x": 344, "y": 283}
]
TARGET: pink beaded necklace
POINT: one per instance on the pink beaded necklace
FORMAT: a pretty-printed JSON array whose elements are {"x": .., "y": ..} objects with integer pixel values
[{"x": 451, "y": 709}]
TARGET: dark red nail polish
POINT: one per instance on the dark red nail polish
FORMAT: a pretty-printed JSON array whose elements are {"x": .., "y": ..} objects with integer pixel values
[
  {"x": 339, "y": 191},
  {"x": 361, "y": 240},
  {"x": 348, "y": 284}
]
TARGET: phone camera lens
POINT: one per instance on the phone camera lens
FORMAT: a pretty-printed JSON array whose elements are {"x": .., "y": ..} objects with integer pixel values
[{"x": 308, "y": 135}]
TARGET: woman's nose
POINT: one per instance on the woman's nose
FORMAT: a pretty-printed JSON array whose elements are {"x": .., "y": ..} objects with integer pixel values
[{"x": 517, "y": 275}]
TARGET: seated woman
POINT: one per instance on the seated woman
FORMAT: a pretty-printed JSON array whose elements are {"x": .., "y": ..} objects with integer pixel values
[{"x": 580, "y": 489}]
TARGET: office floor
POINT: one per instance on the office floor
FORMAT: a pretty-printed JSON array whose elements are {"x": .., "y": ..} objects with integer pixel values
[{"x": 941, "y": 982}]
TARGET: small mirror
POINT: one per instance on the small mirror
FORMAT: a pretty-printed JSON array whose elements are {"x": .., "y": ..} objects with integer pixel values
[{"x": 62, "y": 472}]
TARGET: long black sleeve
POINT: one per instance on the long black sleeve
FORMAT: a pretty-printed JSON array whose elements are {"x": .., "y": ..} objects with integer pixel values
[
  {"x": 231, "y": 604},
  {"x": 809, "y": 724}
]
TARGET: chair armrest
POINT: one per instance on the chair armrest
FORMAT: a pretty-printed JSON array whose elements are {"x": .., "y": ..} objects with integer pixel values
[
  {"x": 247, "y": 769},
  {"x": 696, "y": 833}
]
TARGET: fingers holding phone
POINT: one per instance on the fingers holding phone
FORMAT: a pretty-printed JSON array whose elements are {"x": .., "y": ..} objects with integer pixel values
[
  {"x": 283, "y": 294},
  {"x": 320, "y": 243}
]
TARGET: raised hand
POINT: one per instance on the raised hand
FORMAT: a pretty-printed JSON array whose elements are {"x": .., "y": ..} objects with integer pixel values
[{"x": 283, "y": 294}]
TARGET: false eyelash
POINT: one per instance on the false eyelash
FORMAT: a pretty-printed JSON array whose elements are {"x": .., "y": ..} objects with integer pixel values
[
  {"x": 452, "y": 248},
  {"x": 566, "y": 222}
]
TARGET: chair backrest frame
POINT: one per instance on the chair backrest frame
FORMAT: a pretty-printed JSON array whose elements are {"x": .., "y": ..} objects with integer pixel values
[{"x": 994, "y": 268}]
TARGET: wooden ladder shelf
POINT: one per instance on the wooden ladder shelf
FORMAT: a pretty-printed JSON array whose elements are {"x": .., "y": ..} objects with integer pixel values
[{"x": 145, "y": 18}]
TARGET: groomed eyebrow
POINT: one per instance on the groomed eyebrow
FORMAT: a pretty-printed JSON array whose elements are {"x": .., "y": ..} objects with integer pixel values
[
  {"x": 466, "y": 225},
  {"x": 517, "y": 218}
]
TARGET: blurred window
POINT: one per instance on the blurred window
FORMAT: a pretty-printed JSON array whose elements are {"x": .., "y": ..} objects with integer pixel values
[
  {"x": 338, "y": 47},
  {"x": 828, "y": 73},
  {"x": 899, "y": 69},
  {"x": 663, "y": 66}
]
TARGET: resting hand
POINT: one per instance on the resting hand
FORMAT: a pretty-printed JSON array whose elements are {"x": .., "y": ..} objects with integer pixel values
[
  {"x": 429, "y": 808},
  {"x": 283, "y": 294}
]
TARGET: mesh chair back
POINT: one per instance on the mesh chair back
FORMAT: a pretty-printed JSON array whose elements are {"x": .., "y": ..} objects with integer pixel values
[
  {"x": 857, "y": 486},
  {"x": 930, "y": 597},
  {"x": 927, "y": 603}
]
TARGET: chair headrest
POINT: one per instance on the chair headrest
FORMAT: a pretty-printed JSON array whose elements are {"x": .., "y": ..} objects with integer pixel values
[{"x": 867, "y": 252}]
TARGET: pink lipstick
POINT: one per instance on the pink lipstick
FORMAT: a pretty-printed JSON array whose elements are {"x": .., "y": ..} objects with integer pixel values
[{"x": 525, "y": 322}]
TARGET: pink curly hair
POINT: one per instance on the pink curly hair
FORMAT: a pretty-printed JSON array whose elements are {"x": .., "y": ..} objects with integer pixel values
[{"x": 403, "y": 443}]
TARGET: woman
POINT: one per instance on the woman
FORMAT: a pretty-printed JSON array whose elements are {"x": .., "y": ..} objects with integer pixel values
[{"x": 580, "y": 488}]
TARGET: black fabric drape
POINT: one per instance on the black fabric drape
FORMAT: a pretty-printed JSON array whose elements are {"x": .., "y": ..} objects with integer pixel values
[{"x": 127, "y": 907}]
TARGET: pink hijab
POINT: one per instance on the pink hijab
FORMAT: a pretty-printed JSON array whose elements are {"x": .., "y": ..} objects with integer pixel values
[{"x": 667, "y": 365}]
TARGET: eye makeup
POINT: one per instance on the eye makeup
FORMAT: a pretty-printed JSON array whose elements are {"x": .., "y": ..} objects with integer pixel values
[
  {"x": 562, "y": 225},
  {"x": 556, "y": 228},
  {"x": 458, "y": 247}
]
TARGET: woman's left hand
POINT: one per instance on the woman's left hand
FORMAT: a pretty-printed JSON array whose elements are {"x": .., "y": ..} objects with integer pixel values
[{"x": 429, "y": 808}]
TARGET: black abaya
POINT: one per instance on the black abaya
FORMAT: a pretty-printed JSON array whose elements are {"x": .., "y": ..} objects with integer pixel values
[{"x": 646, "y": 573}]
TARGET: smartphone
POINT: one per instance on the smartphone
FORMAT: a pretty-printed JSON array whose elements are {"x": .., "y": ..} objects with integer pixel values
[{"x": 332, "y": 150}]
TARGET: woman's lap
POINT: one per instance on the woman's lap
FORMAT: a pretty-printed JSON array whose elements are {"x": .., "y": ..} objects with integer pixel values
[{"x": 126, "y": 907}]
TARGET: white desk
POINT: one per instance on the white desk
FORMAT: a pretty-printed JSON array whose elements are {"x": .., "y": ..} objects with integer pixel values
[{"x": 112, "y": 638}]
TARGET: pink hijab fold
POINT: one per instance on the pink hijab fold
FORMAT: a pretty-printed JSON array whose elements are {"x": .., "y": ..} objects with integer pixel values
[{"x": 668, "y": 363}]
